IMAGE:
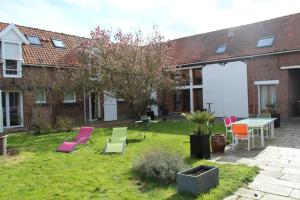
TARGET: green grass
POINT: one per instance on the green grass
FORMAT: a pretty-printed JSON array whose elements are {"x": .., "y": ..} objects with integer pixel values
[{"x": 39, "y": 172}]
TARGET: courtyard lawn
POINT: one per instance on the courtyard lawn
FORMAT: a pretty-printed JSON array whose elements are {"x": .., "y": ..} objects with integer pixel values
[{"x": 39, "y": 172}]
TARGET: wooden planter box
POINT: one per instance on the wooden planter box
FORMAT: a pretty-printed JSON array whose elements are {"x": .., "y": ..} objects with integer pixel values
[{"x": 198, "y": 179}]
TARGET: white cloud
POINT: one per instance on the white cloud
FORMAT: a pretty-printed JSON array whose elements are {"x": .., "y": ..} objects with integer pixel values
[
  {"x": 175, "y": 18},
  {"x": 86, "y": 4}
]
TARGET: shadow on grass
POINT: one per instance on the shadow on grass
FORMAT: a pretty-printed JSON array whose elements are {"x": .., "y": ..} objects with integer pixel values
[{"x": 131, "y": 141}]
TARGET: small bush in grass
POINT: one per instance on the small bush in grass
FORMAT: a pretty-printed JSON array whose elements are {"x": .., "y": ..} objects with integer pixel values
[
  {"x": 159, "y": 165},
  {"x": 64, "y": 124}
]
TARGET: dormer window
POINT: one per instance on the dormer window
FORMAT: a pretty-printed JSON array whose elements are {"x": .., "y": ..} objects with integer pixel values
[
  {"x": 265, "y": 42},
  {"x": 12, "y": 60},
  {"x": 34, "y": 40},
  {"x": 58, "y": 43},
  {"x": 221, "y": 49},
  {"x": 11, "y": 51}
]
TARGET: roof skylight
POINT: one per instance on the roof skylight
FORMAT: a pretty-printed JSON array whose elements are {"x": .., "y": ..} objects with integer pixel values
[
  {"x": 34, "y": 40},
  {"x": 221, "y": 49},
  {"x": 265, "y": 42},
  {"x": 58, "y": 43}
]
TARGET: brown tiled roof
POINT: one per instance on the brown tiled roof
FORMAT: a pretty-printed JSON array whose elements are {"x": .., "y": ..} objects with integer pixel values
[
  {"x": 202, "y": 47},
  {"x": 47, "y": 54}
]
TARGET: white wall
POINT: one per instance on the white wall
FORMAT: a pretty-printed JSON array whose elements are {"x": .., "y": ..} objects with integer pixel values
[{"x": 226, "y": 87}]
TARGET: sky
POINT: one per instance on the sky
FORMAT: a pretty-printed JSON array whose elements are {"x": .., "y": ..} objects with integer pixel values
[{"x": 175, "y": 18}]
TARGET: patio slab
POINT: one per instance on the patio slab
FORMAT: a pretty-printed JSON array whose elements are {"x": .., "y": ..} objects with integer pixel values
[{"x": 278, "y": 161}]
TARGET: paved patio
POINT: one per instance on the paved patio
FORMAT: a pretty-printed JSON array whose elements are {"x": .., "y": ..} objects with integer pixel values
[{"x": 279, "y": 164}]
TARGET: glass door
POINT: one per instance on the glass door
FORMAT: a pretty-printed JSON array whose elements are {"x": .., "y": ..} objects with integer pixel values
[
  {"x": 4, "y": 109},
  {"x": 267, "y": 98},
  {"x": 12, "y": 109}
]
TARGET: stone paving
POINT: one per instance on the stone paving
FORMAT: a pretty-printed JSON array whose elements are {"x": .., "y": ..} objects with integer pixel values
[{"x": 279, "y": 163}]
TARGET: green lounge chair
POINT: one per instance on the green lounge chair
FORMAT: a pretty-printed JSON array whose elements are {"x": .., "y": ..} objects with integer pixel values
[{"x": 118, "y": 141}]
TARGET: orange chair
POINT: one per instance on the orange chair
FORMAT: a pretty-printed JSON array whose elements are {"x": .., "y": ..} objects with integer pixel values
[{"x": 242, "y": 132}]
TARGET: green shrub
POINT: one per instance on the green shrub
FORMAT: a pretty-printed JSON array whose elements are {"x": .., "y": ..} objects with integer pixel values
[
  {"x": 64, "y": 123},
  {"x": 41, "y": 127},
  {"x": 159, "y": 165}
]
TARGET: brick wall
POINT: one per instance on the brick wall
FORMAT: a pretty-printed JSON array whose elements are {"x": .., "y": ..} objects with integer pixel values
[{"x": 31, "y": 110}]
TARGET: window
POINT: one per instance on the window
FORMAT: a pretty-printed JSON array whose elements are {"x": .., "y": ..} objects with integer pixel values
[
  {"x": 12, "y": 59},
  {"x": 58, "y": 43},
  {"x": 265, "y": 42},
  {"x": 267, "y": 98},
  {"x": 221, "y": 49},
  {"x": 34, "y": 40},
  {"x": 11, "y": 67},
  {"x": 197, "y": 76},
  {"x": 70, "y": 97},
  {"x": 40, "y": 96}
]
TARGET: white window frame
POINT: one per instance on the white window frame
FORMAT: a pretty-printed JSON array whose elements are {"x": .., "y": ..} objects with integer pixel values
[
  {"x": 41, "y": 102},
  {"x": 7, "y": 109},
  {"x": 19, "y": 70},
  {"x": 70, "y": 101},
  {"x": 19, "y": 60},
  {"x": 260, "y": 83}
]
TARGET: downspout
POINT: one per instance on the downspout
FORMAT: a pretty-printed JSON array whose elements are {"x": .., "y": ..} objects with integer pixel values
[{"x": 253, "y": 85}]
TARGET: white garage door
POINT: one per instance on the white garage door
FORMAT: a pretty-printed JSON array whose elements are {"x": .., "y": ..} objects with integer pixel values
[{"x": 225, "y": 86}]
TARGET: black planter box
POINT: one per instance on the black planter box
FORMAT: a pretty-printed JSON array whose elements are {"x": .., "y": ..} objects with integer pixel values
[
  {"x": 277, "y": 121},
  {"x": 200, "y": 146},
  {"x": 189, "y": 181}
]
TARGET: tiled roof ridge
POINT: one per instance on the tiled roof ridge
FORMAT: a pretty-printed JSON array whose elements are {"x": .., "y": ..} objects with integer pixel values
[
  {"x": 237, "y": 27},
  {"x": 39, "y": 29}
]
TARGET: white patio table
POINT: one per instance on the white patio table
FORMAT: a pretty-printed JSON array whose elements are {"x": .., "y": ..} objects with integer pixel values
[{"x": 259, "y": 123}]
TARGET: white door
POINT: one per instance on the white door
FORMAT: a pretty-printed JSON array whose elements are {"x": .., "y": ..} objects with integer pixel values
[{"x": 110, "y": 108}]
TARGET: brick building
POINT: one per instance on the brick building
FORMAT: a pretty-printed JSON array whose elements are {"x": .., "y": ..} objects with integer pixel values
[
  {"x": 23, "y": 52},
  {"x": 241, "y": 70}
]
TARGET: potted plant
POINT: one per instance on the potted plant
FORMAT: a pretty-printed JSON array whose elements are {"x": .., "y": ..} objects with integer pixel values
[
  {"x": 198, "y": 179},
  {"x": 275, "y": 114},
  {"x": 199, "y": 139}
]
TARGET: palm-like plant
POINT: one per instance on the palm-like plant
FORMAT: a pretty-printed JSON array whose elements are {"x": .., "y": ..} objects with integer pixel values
[{"x": 202, "y": 121}]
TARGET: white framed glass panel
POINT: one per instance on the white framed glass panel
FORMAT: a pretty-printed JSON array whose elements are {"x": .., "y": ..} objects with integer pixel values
[
  {"x": 58, "y": 43},
  {"x": 40, "y": 96},
  {"x": 70, "y": 97},
  {"x": 267, "y": 98},
  {"x": 11, "y": 67},
  {"x": 34, "y": 40}
]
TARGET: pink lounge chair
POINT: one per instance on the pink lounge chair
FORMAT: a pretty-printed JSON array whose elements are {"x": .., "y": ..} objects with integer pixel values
[{"x": 81, "y": 138}]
